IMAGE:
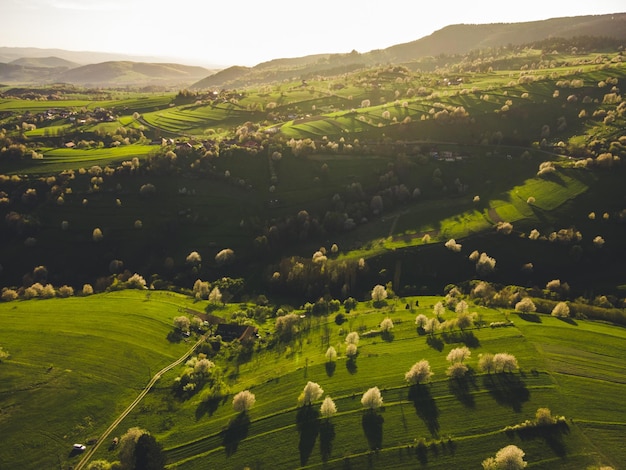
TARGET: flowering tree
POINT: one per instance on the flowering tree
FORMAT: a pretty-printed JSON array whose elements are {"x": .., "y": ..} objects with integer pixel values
[
  {"x": 352, "y": 338},
  {"x": 560, "y": 310},
  {"x": 328, "y": 408},
  {"x": 526, "y": 305},
  {"x": 331, "y": 354},
  {"x": 508, "y": 458},
  {"x": 379, "y": 293},
  {"x": 421, "y": 320},
  {"x": 372, "y": 399},
  {"x": 486, "y": 363},
  {"x": 505, "y": 362},
  {"x": 459, "y": 354},
  {"x": 439, "y": 310},
  {"x": 312, "y": 391},
  {"x": 419, "y": 373},
  {"x": 243, "y": 401},
  {"x": 386, "y": 325},
  {"x": 215, "y": 296}
]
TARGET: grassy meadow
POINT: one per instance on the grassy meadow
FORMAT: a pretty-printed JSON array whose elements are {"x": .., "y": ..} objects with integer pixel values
[
  {"x": 573, "y": 368},
  {"x": 74, "y": 364}
]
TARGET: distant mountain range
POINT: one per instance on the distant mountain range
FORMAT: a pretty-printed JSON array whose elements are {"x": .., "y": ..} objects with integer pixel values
[{"x": 45, "y": 66}]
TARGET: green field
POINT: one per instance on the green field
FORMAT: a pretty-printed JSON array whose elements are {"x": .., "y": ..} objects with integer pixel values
[
  {"x": 74, "y": 364},
  {"x": 118, "y": 340}
]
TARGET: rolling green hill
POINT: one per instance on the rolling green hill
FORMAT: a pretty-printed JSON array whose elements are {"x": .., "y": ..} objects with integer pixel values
[{"x": 573, "y": 368}]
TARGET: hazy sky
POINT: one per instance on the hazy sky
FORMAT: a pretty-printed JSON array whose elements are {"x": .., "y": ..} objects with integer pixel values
[{"x": 245, "y": 32}]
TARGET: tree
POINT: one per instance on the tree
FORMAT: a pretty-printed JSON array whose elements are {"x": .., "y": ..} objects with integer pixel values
[
  {"x": 486, "y": 362},
  {"x": 510, "y": 457},
  {"x": 215, "y": 296},
  {"x": 136, "y": 281},
  {"x": 87, "y": 289},
  {"x": 465, "y": 320},
  {"x": 328, "y": 408},
  {"x": 350, "y": 304},
  {"x": 452, "y": 245},
  {"x": 419, "y": 373},
  {"x": 97, "y": 235},
  {"x": 201, "y": 289},
  {"x": 286, "y": 326},
  {"x": 331, "y": 354},
  {"x": 543, "y": 417},
  {"x": 99, "y": 465},
  {"x": 148, "y": 453},
  {"x": 203, "y": 366},
  {"x": 182, "y": 323},
  {"x": 526, "y": 305},
  {"x": 458, "y": 355},
  {"x": 560, "y": 310},
  {"x": 386, "y": 325},
  {"x": 461, "y": 307},
  {"x": 351, "y": 351},
  {"x": 352, "y": 338},
  {"x": 439, "y": 310},
  {"x": 193, "y": 258},
  {"x": 456, "y": 370},
  {"x": 372, "y": 399},
  {"x": 66, "y": 291},
  {"x": 421, "y": 320},
  {"x": 485, "y": 264},
  {"x": 9, "y": 294},
  {"x": 504, "y": 362},
  {"x": 312, "y": 391},
  {"x": 379, "y": 293},
  {"x": 243, "y": 401},
  {"x": 224, "y": 256},
  {"x": 127, "y": 445},
  {"x": 432, "y": 326}
]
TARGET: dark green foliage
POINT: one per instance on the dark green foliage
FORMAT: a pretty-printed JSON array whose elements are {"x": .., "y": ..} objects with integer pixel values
[{"x": 148, "y": 454}]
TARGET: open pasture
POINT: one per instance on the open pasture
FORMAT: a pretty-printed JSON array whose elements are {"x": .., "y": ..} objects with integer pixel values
[
  {"x": 461, "y": 422},
  {"x": 74, "y": 364}
]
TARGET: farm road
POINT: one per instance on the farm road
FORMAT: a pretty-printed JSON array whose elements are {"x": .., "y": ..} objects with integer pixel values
[{"x": 135, "y": 402}]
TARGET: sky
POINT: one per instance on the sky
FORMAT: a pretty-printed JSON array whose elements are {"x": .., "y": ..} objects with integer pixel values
[{"x": 246, "y": 32}]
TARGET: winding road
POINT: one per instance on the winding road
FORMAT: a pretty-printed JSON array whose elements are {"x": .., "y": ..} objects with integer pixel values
[{"x": 135, "y": 402}]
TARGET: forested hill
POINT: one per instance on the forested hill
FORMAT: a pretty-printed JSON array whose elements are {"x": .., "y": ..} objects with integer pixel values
[
  {"x": 451, "y": 40},
  {"x": 462, "y": 38}
]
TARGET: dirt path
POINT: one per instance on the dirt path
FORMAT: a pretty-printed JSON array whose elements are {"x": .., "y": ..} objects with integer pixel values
[{"x": 135, "y": 402}]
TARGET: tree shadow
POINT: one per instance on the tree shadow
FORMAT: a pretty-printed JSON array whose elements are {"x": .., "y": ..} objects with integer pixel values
[
  {"x": 507, "y": 390},
  {"x": 327, "y": 436},
  {"x": 467, "y": 337},
  {"x": 531, "y": 317},
  {"x": 307, "y": 423},
  {"x": 330, "y": 368},
  {"x": 461, "y": 388},
  {"x": 387, "y": 336},
  {"x": 425, "y": 407},
  {"x": 435, "y": 342},
  {"x": 174, "y": 337},
  {"x": 569, "y": 320},
  {"x": 208, "y": 407},
  {"x": 552, "y": 434},
  {"x": 421, "y": 452},
  {"x": 236, "y": 431},
  {"x": 351, "y": 365},
  {"x": 372, "y": 424}
]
